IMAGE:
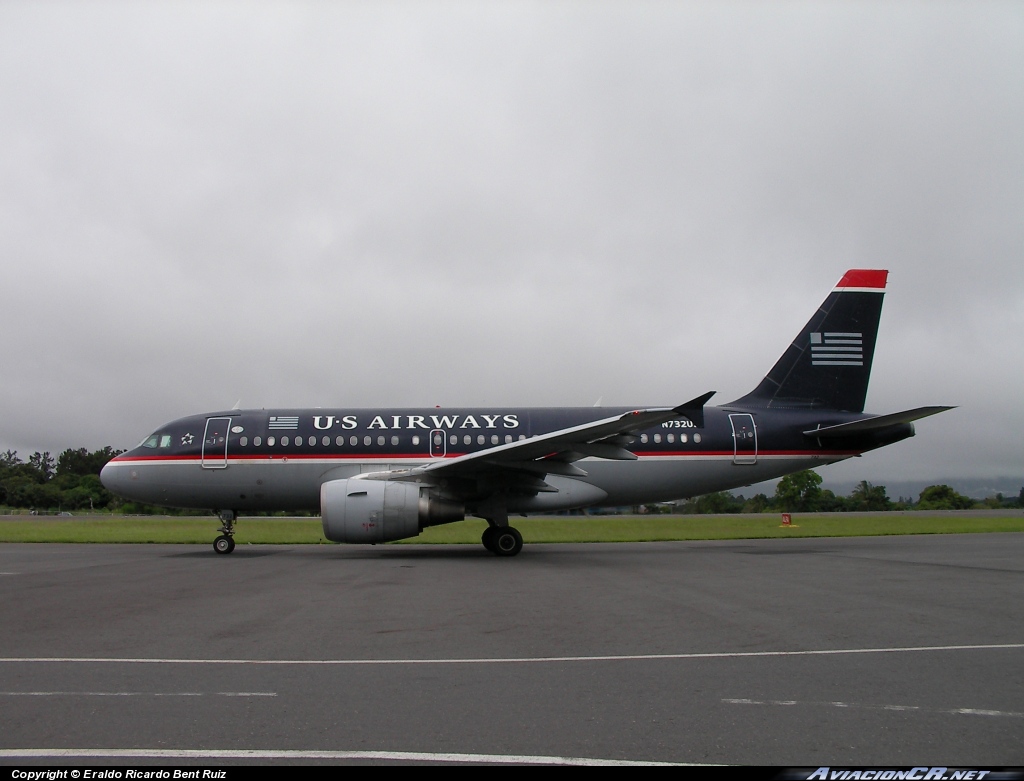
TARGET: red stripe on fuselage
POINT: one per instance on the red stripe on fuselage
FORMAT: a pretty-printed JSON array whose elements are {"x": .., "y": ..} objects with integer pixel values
[{"x": 419, "y": 457}]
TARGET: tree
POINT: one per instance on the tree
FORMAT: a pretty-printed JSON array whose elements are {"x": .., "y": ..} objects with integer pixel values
[
  {"x": 799, "y": 492},
  {"x": 82, "y": 462},
  {"x": 42, "y": 463},
  {"x": 73, "y": 484},
  {"x": 867, "y": 497},
  {"x": 758, "y": 503},
  {"x": 942, "y": 497},
  {"x": 828, "y": 502},
  {"x": 717, "y": 503}
]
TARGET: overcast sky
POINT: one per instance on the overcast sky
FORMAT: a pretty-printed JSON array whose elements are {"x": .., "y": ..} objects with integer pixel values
[{"x": 505, "y": 203}]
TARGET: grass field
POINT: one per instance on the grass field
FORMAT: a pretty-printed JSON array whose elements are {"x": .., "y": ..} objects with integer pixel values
[{"x": 619, "y": 528}]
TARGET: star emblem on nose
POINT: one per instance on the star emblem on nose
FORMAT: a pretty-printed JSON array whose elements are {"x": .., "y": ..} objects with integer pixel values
[{"x": 187, "y": 439}]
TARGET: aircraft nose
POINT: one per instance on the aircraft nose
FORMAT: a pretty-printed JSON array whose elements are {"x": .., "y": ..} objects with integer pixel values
[
  {"x": 110, "y": 477},
  {"x": 124, "y": 480}
]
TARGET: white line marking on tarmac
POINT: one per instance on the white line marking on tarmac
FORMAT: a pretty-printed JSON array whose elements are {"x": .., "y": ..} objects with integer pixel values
[
  {"x": 397, "y": 756},
  {"x": 513, "y": 660},
  {"x": 137, "y": 694},
  {"x": 955, "y": 711},
  {"x": 247, "y": 694}
]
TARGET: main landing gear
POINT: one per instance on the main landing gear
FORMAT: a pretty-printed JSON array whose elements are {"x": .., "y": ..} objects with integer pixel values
[
  {"x": 226, "y": 542},
  {"x": 502, "y": 540}
]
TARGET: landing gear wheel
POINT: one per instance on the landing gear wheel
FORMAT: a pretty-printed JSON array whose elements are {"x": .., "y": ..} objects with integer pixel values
[
  {"x": 226, "y": 542},
  {"x": 506, "y": 541},
  {"x": 488, "y": 538}
]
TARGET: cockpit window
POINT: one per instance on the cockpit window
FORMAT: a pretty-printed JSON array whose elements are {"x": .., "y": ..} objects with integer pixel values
[
  {"x": 151, "y": 442},
  {"x": 165, "y": 440}
]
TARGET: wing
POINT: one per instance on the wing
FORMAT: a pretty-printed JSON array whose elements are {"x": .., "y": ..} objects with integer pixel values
[{"x": 555, "y": 452}]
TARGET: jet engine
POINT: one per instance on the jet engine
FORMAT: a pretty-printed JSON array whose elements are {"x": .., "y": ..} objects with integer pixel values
[{"x": 360, "y": 510}]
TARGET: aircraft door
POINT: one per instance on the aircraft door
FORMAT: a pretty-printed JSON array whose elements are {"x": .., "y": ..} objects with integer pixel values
[
  {"x": 215, "y": 443},
  {"x": 438, "y": 443},
  {"x": 744, "y": 439}
]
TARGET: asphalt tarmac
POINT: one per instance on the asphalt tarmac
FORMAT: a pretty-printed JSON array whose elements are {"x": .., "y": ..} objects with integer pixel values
[{"x": 803, "y": 652}]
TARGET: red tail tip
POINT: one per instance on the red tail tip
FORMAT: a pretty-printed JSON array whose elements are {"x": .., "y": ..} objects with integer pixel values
[{"x": 862, "y": 277}]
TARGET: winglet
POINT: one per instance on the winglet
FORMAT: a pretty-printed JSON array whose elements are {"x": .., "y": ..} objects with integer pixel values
[{"x": 693, "y": 410}]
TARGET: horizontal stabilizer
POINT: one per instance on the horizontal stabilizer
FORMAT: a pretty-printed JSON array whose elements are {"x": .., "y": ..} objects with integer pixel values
[{"x": 875, "y": 424}]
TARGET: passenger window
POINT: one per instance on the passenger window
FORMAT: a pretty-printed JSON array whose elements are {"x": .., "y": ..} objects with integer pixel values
[
  {"x": 467, "y": 439},
  {"x": 353, "y": 441},
  {"x": 416, "y": 439},
  {"x": 243, "y": 441},
  {"x": 270, "y": 441},
  {"x": 257, "y": 441},
  {"x": 367, "y": 440},
  {"x": 480, "y": 439},
  {"x": 380, "y": 440},
  {"x": 494, "y": 439},
  {"x": 696, "y": 438},
  {"x": 339, "y": 441},
  {"x": 284, "y": 441},
  {"x": 394, "y": 440},
  {"x": 508, "y": 438},
  {"x": 657, "y": 438},
  {"x": 670, "y": 437},
  {"x": 326, "y": 441},
  {"x": 683, "y": 438},
  {"x": 454, "y": 440},
  {"x": 643, "y": 438}
]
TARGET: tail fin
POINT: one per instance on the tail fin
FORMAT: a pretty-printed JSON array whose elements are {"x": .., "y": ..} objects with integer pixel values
[{"x": 829, "y": 362}]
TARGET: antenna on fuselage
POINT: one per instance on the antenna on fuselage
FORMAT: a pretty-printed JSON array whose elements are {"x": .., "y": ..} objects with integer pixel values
[{"x": 238, "y": 405}]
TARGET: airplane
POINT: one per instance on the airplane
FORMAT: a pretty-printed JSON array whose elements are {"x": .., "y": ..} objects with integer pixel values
[{"x": 378, "y": 475}]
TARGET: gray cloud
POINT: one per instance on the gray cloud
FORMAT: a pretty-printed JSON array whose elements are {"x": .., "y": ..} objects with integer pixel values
[{"x": 404, "y": 204}]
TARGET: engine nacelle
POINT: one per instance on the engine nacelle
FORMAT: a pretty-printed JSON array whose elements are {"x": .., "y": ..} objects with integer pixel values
[{"x": 360, "y": 510}]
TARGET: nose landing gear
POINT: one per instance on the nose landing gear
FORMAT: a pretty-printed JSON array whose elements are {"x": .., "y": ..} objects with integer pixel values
[{"x": 226, "y": 542}]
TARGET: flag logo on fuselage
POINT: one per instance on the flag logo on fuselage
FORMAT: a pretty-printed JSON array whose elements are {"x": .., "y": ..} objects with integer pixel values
[
  {"x": 283, "y": 422},
  {"x": 833, "y": 348}
]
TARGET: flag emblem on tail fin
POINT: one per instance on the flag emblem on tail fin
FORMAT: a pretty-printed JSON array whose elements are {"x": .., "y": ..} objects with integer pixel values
[{"x": 833, "y": 348}]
